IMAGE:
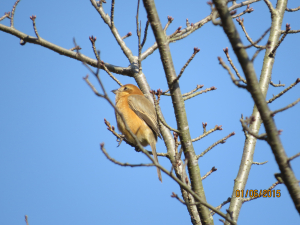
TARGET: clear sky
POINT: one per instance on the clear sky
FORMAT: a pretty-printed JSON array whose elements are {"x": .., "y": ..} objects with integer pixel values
[{"x": 51, "y": 123}]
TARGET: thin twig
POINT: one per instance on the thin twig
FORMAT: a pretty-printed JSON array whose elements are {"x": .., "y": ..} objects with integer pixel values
[
  {"x": 145, "y": 33},
  {"x": 292, "y": 10},
  {"x": 256, "y": 54},
  {"x": 127, "y": 35},
  {"x": 34, "y": 26},
  {"x": 13, "y": 13},
  {"x": 293, "y": 157},
  {"x": 287, "y": 28},
  {"x": 182, "y": 201},
  {"x": 207, "y": 133},
  {"x": 6, "y": 15},
  {"x": 138, "y": 33},
  {"x": 236, "y": 82},
  {"x": 222, "y": 141},
  {"x": 86, "y": 78},
  {"x": 199, "y": 93},
  {"x": 160, "y": 117},
  {"x": 241, "y": 23},
  {"x": 170, "y": 19},
  {"x": 193, "y": 91},
  {"x": 232, "y": 65},
  {"x": 290, "y": 31},
  {"x": 26, "y": 220},
  {"x": 75, "y": 48},
  {"x": 270, "y": 6},
  {"x": 258, "y": 163},
  {"x": 185, "y": 94},
  {"x": 247, "y": 10},
  {"x": 221, "y": 205},
  {"x": 196, "y": 50},
  {"x": 246, "y": 128},
  {"x": 93, "y": 40},
  {"x": 120, "y": 163},
  {"x": 209, "y": 172},
  {"x": 256, "y": 42},
  {"x": 284, "y": 91},
  {"x": 110, "y": 74},
  {"x": 177, "y": 31},
  {"x": 112, "y": 11},
  {"x": 285, "y": 108},
  {"x": 277, "y": 85}
]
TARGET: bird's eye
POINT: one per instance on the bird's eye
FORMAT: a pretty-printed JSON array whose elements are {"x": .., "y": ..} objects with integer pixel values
[{"x": 125, "y": 88}]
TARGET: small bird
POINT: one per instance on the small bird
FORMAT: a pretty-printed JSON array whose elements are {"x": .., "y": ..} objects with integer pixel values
[{"x": 140, "y": 116}]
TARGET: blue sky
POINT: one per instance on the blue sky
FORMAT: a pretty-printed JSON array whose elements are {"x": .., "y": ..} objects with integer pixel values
[{"x": 51, "y": 123}]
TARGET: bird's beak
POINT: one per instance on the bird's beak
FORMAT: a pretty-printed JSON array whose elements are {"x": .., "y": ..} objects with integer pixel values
[{"x": 115, "y": 91}]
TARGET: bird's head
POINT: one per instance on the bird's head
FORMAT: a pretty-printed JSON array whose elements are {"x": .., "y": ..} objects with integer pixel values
[{"x": 127, "y": 89}]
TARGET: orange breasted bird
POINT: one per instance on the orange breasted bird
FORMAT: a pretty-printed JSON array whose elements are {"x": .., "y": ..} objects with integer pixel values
[{"x": 140, "y": 116}]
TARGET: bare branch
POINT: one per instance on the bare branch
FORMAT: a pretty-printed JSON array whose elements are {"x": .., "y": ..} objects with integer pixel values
[
  {"x": 236, "y": 82},
  {"x": 93, "y": 40},
  {"x": 246, "y": 128},
  {"x": 247, "y": 10},
  {"x": 77, "y": 47},
  {"x": 262, "y": 36},
  {"x": 285, "y": 108},
  {"x": 256, "y": 54},
  {"x": 120, "y": 163},
  {"x": 258, "y": 163},
  {"x": 288, "y": 27},
  {"x": 232, "y": 65},
  {"x": 113, "y": 29},
  {"x": 222, "y": 141},
  {"x": 110, "y": 74},
  {"x": 284, "y": 91},
  {"x": 292, "y": 10},
  {"x": 183, "y": 202},
  {"x": 34, "y": 26},
  {"x": 193, "y": 91},
  {"x": 6, "y": 15},
  {"x": 221, "y": 205},
  {"x": 13, "y": 13},
  {"x": 127, "y": 71},
  {"x": 189, "y": 30},
  {"x": 26, "y": 220},
  {"x": 185, "y": 94},
  {"x": 170, "y": 19},
  {"x": 145, "y": 33},
  {"x": 112, "y": 11},
  {"x": 277, "y": 85},
  {"x": 92, "y": 86},
  {"x": 159, "y": 116},
  {"x": 209, "y": 172},
  {"x": 241, "y": 23},
  {"x": 293, "y": 157},
  {"x": 207, "y": 133},
  {"x": 199, "y": 93},
  {"x": 290, "y": 31},
  {"x": 138, "y": 33},
  {"x": 196, "y": 50},
  {"x": 270, "y": 6},
  {"x": 127, "y": 35}
]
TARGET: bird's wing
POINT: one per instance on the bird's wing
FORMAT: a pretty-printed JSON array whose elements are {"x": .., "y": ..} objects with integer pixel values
[{"x": 144, "y": 109}]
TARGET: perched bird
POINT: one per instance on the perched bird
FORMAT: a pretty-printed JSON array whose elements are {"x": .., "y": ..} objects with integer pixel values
[{"x": 140, "y": 116}]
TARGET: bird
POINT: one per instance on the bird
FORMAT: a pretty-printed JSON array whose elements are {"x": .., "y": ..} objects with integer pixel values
[{"x": 140, "y": 117}]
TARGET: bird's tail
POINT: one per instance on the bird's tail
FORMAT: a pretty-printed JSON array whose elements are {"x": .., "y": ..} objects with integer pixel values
[{"x": 153, "y": 147}]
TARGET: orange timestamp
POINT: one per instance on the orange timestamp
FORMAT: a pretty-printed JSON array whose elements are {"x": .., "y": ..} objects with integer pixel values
[{"x": 256, "y": 193}]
